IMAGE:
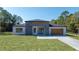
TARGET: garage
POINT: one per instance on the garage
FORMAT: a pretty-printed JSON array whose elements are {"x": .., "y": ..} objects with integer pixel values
[{"x": 57, "y": 30}]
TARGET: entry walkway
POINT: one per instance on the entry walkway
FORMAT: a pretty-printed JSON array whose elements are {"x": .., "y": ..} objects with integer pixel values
[{"x": 68, "y": 40}]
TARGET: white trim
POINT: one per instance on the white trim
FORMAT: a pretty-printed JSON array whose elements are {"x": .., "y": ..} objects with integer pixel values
[
  {"x": 64, "y": 29},
  {"x": 37, "y": 27},
  {"x": 14, "y": 30}
]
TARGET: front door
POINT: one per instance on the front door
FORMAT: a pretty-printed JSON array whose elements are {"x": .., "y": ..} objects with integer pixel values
[{"x": 34, "y": 30}]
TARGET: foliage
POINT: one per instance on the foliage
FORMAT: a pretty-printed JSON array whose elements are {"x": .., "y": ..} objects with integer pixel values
[
  {"x": 7, "y": 20},
  {"x": 72, "y": 27},
  {"x": 69, "y": 20}
]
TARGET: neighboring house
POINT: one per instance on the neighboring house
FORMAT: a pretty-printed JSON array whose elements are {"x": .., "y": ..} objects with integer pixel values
[{"x": 39, "y": 27}]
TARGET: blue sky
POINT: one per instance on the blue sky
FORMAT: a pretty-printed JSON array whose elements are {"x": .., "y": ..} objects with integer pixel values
[{"x": 45, "y": 13}]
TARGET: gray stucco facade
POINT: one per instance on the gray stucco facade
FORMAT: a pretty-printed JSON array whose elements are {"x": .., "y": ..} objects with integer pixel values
[{"x": 29, "y": 27}]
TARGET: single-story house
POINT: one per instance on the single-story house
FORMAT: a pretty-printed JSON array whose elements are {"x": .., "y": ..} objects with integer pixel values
[{"x": 39, "y": 27}]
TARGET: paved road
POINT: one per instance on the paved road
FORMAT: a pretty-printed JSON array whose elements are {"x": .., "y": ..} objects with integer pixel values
[{"x": 68, "y": 40}]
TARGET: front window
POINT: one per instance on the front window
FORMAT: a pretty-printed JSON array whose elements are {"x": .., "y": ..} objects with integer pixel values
[
  {"x": 19, "y": 29},
  {"x": 41, "y": 30}
]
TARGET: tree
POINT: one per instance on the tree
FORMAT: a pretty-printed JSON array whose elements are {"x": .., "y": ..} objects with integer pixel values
[
  {"x": 73, "y": 27},
  {"x": 77, "y": 17},
  {"x": 64, "y": 15},
  {"x": 16, "y": 20},
  {"x": 61, "y": 20},
  {"x": 54, "y": 21},
  {"x": 7, "y": 20}
]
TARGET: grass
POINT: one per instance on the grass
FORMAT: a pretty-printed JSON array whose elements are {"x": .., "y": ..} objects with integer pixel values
[
  {"x": 30, "y": 43},
  {"x": 73, "y": 35},
  {"x": 6, "y": 33}
]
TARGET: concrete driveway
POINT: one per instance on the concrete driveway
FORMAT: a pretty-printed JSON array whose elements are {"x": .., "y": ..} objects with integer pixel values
[{"x": 67, "y": 40}]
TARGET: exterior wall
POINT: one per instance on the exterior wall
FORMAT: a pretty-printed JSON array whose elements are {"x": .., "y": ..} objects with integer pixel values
[
  {"x": 14, "y": 30},
  {"x": 29, "y": 25},
  {"x": 45, "y": 25},
  {"x": 46, "y": 30},
  {"x": 64, "y": 29},
  {"x": 28, "y": 28}
]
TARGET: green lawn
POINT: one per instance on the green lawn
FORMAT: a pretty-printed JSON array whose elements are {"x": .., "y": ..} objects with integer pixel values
[
  {"x": 30, "y": 43},
  {"x": 73, "y": 35}
]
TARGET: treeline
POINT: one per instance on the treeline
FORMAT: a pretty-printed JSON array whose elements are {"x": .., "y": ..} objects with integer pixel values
[
  {"x": 7, "y": 20},
  {"x": 71, "y": 21}
]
